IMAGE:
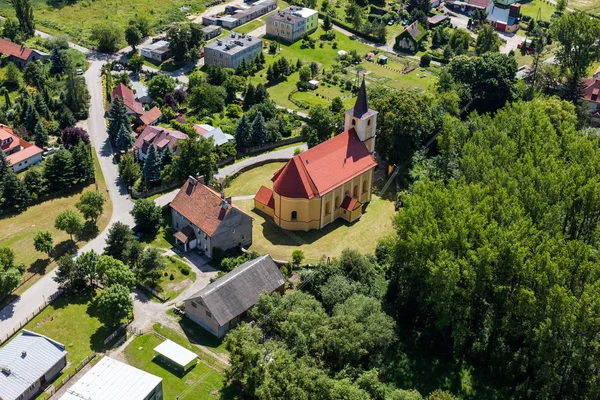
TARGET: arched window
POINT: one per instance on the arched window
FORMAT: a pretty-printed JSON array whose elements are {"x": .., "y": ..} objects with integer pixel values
[
  {"x": 294, "y": 215},
  {"x": 369, "y": 122},
  {"x": 365, "y": 186},
  {"x": 327, "y": 208},
  {"x": 355, "y": 191},
  {"x": 353, "y": 122},
  {"x": 337, "y": 201}
]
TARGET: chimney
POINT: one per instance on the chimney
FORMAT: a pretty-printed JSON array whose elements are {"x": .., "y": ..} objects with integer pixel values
[
  {"x": 228, "y": 200},
  {"x": 201, "y": 179},
  {"x": 222, "y": 195},
  {"x": 23, "y": 354},
  {"x": 192, "y": 180}
]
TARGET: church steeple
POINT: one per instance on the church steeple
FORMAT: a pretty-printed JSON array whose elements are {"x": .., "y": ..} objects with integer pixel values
[{"x": 361, "y": 107}]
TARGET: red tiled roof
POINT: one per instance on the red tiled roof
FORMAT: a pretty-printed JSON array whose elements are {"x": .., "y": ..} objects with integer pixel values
[
  {"x": 592, "y": 89},
  {"x": 128, "y": 98},
  {"x": 25, "y": 153},
  {"x": 6, "y": 132},
  {"x": 202, "y": 206},
  {"x": 13, "y": 49},
  {"x": 479, "y": 3},
  {"x": 185, "y": 235},
  {"x": 161, "y": 137},
  {"x": 349, "y": 204},
  {"x": 151, "y": 116},
  {"x": 323, "y": 167},
  {"x": 265, "y": 196}
]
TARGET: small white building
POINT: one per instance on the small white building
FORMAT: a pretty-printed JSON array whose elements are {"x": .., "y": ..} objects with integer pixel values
[
  {"x": 313, "y": 84},
  {"x": 173, "y": 354},
  {"x": 158, "y": 51},
  {"x": 113, "y": 380},
  {"x": 208, "y": 131}
]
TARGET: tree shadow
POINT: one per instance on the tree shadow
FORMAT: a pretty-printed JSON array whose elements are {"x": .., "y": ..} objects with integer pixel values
[
  {"x": 97, "y": 339},
  {"x": 89, "y": 231},
  {"x": 231, "y": 390},
  {"x": 39, "y": 266},
  {"x": 65, "y": 247},
  {"x": 82, "y": 296},
  {"x": 195, "y": 334}
]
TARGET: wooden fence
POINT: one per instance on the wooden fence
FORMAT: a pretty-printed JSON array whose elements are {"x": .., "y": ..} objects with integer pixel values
[{"x": 50, "y": 390}]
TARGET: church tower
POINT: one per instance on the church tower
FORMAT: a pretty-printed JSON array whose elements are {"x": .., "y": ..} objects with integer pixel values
[{"x": 362, "y": 119}]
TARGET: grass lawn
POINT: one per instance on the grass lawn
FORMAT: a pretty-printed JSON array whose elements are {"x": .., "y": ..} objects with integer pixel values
[
  {"x": 531, "y": 9},
  {"x": 592, "y": 6},
  {"x": 250, "y": 181},
  {"x": 201, "y": 382},
  {"x": 164, "y": 237},
  {"x": 77, "y": 19},
  {"x": 249, "y": 27},
  {"x": 72, "y": 320},
  {"x": 17, "y": 230},
  {"x": 194, "y": 333},
  {"x": 170, "y": 289},
  {"x": 329, "y": 241}
]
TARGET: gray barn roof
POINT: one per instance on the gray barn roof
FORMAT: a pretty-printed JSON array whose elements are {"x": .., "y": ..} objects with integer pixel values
[
  {"x": 24, "y": 360},
  {"x": 237, "y": 291}
]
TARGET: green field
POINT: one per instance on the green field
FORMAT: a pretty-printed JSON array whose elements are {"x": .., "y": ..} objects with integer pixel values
[
  {"x": 76, "y": 20},
  {"x": 531, "y": 9},
  {"x": 171, "y": 288},
  {"x": 201, "y": 382},
  {"x": 249, "y": 27},
  {"x": 250, "y": 181}
]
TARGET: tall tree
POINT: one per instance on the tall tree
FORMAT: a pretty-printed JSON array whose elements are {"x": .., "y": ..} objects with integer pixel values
[
  {"x": 14, "y": 192},
  {"x": 323, "y": 124},
  {"x": 259, "y": 130},
  {"x": 40, "y": 134},
  {"x": 151, "y": 266},
  {"x": 82, "y": 158},
  {"x": 147, "y": 215},
  {"x": 69, "y": 221},
  {"x": 114, "y": 304},
  {"x": 152, "y": 164},
  {"x": 72, "y": 136},
  {"x": 196, "y": 158},
  {"x": 124, "y": 140},
  {"x": 34, "y": 182},
  {"x": 117, "y": 118},
  {"x": 43, "y": 242},
  {"x": 59, "y": 170},
  {"x": 129, "y": 169},
  {"x": 10, "y": 272},
  {"x": 24, "y": 13},
  {"x": 77, "y": 97},
  {"x": 133, "y": 36},
  {"x": 243, "y": 133},
  {"x": 487, "y": 40},
  {"x": 119, "y": 235},
  {"x": 91, "y": 205}
]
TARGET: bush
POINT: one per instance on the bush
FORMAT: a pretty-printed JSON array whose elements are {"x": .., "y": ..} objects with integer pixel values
[
  {"x": 185, "y": 269},
  {"x": 297, "y": 151},
  {"x": 171, "y": 278},
  {"x": 425, "y": 60}
]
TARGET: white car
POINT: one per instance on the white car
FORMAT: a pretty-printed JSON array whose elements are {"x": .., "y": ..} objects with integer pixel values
[{"x": 79, "y": 71}]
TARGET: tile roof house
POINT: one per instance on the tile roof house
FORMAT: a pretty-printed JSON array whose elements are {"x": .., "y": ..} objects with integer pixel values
[
  {"x": 591, "y": 97},
  {"x": 160, "y": 137},
  {"x": 133, "y": 106},
  {"x": 206, "y": 220},
  {"x": 410, "y": 39},
  {"x": 219, "y": 137},
  {"x": 468, "y": 6},
  {"x": 28, "y": 363},
  {"x": 152, "y": 116},
  {"x": 20, "y": 153},
  {"x": 327, "y": 177},
  {"x": 19, "y": 54},
  {"x": 224, "y": 303}
]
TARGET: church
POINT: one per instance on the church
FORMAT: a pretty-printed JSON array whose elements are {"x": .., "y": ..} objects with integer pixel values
[{"x": 331, "y": 180}]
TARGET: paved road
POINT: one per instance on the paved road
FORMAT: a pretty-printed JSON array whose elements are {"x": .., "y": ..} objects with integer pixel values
[{"x": 233, "y": 168}]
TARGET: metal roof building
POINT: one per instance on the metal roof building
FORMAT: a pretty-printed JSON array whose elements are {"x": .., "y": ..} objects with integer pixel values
[
  {"x": 113, "y": 380},
  {"x": 173, "y": 353},
  {"x": 28, "y": 363}
]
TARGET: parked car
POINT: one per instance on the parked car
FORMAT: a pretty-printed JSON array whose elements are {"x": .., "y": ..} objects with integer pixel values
[
  {"x": 158, "y": 38},
  {"x": 79, "y": 71}
]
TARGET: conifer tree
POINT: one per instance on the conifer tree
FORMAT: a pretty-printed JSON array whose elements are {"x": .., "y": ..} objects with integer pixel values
[
  {"x": 260, "y": 94},
  {"x": 82, "y": 160},
  {"x": 270, "y": 75},
  {"x": 58, "y": 170},
  {"x": 4, "y": 166},
  {"x": 40, "y": 105},
  {"x": 14, "y": 192},
  {"x": 298, "y": 64},
  {"x": 40, "y": 134},
  {"x": 7, "y": 100},
  {"x": 166, "y": 157},
  {"x": 31, "y": 117},
  {"x": 260, "y": 133},
  {"x": 243, "y": 133},
  {"x": 117, "y": 118},
  {"x": 124, "y": 139},
  {"x": 152, "y": 165},
  {"x": 250, "y": 93}
]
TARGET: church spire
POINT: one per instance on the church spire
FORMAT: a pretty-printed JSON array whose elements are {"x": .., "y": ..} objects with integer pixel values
[{"x": 361, "y": 107}]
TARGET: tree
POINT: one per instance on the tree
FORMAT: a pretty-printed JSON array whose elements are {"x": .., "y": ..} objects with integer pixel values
[
  {"x": 196, "y": 158},
  {"x": 259, "y": 130},
  {"x": 83, "y": 160},
  {"x": 40, "y": 134},
  {"x": 459, "y": 41},
  {"x": 152, "y": 165},
  {"x": 181, "y": 43},
  {"x": 43, "y": 242},
  {"x": 114, "y": 304},
  {"x": 68, "y": 275},
  {"x": 337, "y": 105},
  {"x": 87, "y": 267},
  {"x": 297, "y": 257},
  {"x": 34, "y": 182},
  {"x": 166, "y": 158},
  {"x": 119, "y": 235},
  {"x": 323, "y": 124},
  {"x": 133, "y": 36},
  {"x": 129, "y": 169},
  {"x": 249, "y": 95},
  {"x": 561, "y": 6},
  {"x": 69, "y": 221},
  {"x": 304, "y": 74},
  {"x": 577, "y": 35},
  {"x": 147, "y": 215},
  {"x": 34, "y": 74},
  {"x": 160, "y": 85},
  {"x": 14, "y": 192},
  {"x": 243, "y": 133},
  {"x": 487, "y": 40},
  {"x": 91, "y": 205},
  {"x": 12, "y": 77},
  {"x": 114, "y": 272},
  {"x": 11, "y": 29},
  {"x": 72, "y": 135},
  {"x": 77, "y": 97},
  {"x": 59, "y": 170},
  {"x": 206, "y": 98},
  {"x": 151, "y": 266},
  {"x": 124, "y": 141},
  {"x": 107, "y": 36},
  {"x": 24, "y": 13},
  {"x": 327, "y": 25},
  {"x": 10, "y": 273},
  {"x": 425, "y": 60},
  {"x": 117, "y": 119},
  {"x": 136, "y": 62}
]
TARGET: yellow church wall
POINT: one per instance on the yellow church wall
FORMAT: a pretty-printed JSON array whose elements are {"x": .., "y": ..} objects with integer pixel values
[{"x": 263, "y": 208}]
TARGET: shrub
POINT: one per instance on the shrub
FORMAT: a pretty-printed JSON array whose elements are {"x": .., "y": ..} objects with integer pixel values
[
  {"x": 185, "y": 269},
  {"x": 171, "y": 278},
  {"x": 297, "y": 151},
  {"x": 425, "y": 60}
]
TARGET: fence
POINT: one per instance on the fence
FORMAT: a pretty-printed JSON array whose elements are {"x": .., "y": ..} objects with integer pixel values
[
  {"x": 17, "y": 328},
  {"x": 50, "y": 390},
  {"x": 120, "y": 330},
  {"x": 153, "y": 292}
]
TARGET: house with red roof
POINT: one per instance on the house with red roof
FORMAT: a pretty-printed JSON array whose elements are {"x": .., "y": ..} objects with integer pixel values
[
  {"x": 19, "y": 54},
  {"x": 331, "y": 180},
  {"x": 20, "y": 153},
  {"x": 468, "y": 6},
  {"x": 591, "y": 97},
  {"x": 160, "y": 137},
  {"x": 206, "y": 220},
  {"x": 152, "y": 116},
  {"x": 133, "y": 106}
]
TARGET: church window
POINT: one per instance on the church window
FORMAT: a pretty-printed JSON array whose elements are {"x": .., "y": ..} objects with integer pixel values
[
  {"x": 369, "y": 122},
  {"x": 327, "y": 208},
  {"x": 365, "y": 183},
  {"x": 337, "y": 201},
  {"x": 355, "y": 191},
  {"x": 353, "y": 122},
  {"x": 294, "y": 215}
]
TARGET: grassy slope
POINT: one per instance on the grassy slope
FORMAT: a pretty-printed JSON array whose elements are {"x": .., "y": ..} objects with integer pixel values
[
  {"x": 249, "y": 182},
  {"x": 531, "y": 9},
  {"x": 17, "y": 231},
  {"x": 249, "y": 27}
]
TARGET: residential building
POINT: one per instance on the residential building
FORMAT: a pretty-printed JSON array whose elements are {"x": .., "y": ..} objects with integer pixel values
[
  {"x": 437, "y": 20},
  {"x": 160, "y": 137},
  {"x": 506, "y": 2},
  {"x": 434, "y": 3},
  {"x": 29, "y": 363},
  {"x": 219, "y": 137},
  {"x": 505, "y": 20},
  {"x": 410, "y": 39},
  {"x": 132, "y": 106},
  {"x": 206, "y": 220},
  {"x": 224, "y": 303},
  {"x": 211, "y": 31},
  {"x": 591, "y": 98},
  {"x": 331, "y": 180},
  {"x": 19, "y": 54},
  {"x": 113, "y": 380},
  {"x": 468, "y": 6},
  {"x": 152, "y": 117},
  {"x": 231, "y": 50},
  {"x": 20, "y": 153},
  {"x": 292, "y": 23},
  {"x": 239, "y": 14},
  {"x": 158, "y": 51}
]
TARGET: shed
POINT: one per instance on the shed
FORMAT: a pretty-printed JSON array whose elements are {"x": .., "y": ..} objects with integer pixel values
[
  {"x": 382, "y": 59},
  {"x": 313, "y": 84},
  {"x": 175, "y": 355}
]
